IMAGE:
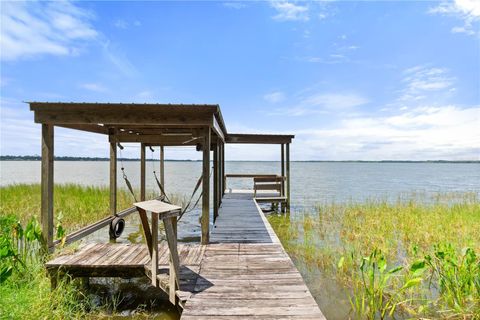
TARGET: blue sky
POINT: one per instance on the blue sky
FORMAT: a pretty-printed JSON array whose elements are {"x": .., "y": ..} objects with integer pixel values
[{"x": 352, "y": 80}]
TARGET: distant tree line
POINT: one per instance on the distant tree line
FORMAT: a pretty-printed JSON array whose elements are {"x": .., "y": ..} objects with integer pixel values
[{"x": 38, "y": 158}]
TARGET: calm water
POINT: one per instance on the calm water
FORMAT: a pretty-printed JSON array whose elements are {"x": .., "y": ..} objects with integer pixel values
[{"x": 311, "y": 183}]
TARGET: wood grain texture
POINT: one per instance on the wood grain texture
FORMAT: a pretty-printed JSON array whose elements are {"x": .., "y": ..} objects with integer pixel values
[{"x": 47, "y": 187}]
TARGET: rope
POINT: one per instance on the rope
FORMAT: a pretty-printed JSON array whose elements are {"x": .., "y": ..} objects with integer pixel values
[
  {"x": 186, "y": 209},
  {"x": 163, "y": 194},
  {"x": 127, "y": 182}
]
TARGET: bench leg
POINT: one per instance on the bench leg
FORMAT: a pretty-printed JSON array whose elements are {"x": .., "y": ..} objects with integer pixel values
[{"x": 174, "y": 260}]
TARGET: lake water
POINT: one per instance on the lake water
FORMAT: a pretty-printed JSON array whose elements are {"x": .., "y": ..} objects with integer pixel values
[{"x": 312, "y": 182}]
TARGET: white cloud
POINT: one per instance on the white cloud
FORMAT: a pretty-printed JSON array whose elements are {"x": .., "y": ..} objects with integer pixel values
[
  {"x": 288, "y": 11},
  {"x": 421, "y": 81},
  {"x": 121, "y": 24},
  {"x": 274, "y": 97},
  {"x": 422, "y": 133},
  {"x": 96, "y": 87},
  {"x": 467, "y": 10},
  {"x": 234, "y": 5},
  {"x": 323, "y": 103},
  {"x": 35, "y": 28},
  {"x": 335, "y": 101},
  {"x": 119, "y": 59}
]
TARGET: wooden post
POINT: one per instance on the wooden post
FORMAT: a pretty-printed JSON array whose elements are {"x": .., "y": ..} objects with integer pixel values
[
  {"x": 47, "y": 187},
  {"x": 154, "y": 251},
  {"x": 283, "y": 169},
  {"x": 162, "y": 167},
  {"x": 224, "y": 180},
  {"x": 205, "y": 220},
  {"x": 288, "y": 175},
  {"x": 113, "y": 178},
  {"x": 174, "y": 262},
  {"x": 142, "y": 172},
  {"x": 215, "y": 182},
  {"x": 220, "y": 174}
]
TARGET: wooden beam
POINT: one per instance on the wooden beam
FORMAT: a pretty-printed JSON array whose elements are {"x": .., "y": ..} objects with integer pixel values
[
  {"x": 95, "y": 128},
  {"x": 217, "y": 129},
  {"x": 288, "y": 174},
  {"x": 142, "y": 173},
  {"x": 47, "y": 187},
  {"x": 205, "y": 220},
  {"x": 91, "y": 228},
  {"x": 259, "y": 138},
  {"x": 123, "y": 117},
  {"x": 157, "y": 139},
  {"x": 215, "y": 182}
]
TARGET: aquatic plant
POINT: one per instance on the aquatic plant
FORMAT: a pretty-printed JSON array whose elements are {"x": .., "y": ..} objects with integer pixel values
[{"x": 429, "y": 278}]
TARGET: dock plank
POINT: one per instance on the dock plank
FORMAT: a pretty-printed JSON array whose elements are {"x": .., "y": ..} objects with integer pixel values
[{"x": 246, "y": 273}]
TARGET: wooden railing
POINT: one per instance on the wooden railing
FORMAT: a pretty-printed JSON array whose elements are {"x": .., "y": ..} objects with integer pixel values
[{"x": 245, "y": 175}]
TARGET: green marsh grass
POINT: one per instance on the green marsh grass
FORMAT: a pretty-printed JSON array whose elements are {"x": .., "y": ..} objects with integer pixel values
[
  {"x": 414, "y": 258},
  {"x": 25, "y": 291}
]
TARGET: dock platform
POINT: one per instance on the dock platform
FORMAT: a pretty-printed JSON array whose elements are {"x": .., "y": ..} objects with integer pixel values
[{"x": 243, "y": 273}]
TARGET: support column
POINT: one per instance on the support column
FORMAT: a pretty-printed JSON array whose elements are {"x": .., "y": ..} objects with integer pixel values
[
  {"x": 283, "y": 169},
  {"x": 220, "y": 173},
  {"x": 205, "y": 220},
  {"x": 215, "y": 181},
  {"x": 162, "y": 167},
  {"x": 223, "y": 170},
  {"x": 142, "y": 172},
  {"x": 288, "y": 175},
  {"x": 113, "y": 175},
  {"x": 47, "y": 187}
]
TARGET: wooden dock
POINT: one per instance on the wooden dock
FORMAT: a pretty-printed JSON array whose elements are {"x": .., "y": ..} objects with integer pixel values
[{"x": 244, "y": 273}]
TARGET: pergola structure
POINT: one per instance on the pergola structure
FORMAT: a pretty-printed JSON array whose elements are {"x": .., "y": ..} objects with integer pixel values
[{"x": 150, "y": 125}]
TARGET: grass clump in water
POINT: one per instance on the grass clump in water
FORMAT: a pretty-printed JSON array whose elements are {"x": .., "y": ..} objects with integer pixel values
[{"x": 409, "y": 258}]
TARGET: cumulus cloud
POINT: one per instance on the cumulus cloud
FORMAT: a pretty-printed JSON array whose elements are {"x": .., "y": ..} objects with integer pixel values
[
  {"x": 422, "y": 133},
  {"x": 235, "y": 5},
  {"x": 289, "y": 11},
  {"x": 274, "y": 97},
  {"x": 323, "y": 103},
  {"x": 96, "y": 87},
  {"x": 466, "y": 10},
  {"x": 34, "y": 28}
]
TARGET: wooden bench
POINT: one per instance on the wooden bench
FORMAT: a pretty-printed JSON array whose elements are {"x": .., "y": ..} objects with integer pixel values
[
  {"x": 274, "y": 183},
  {"x": 168, "y": 213}
]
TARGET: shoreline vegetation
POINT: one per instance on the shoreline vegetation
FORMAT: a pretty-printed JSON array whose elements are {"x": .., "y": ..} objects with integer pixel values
[
  {"x": 403, "y": 260},
  {"x": 68, "y": 158},
  {"x": 394, "y": 260}
]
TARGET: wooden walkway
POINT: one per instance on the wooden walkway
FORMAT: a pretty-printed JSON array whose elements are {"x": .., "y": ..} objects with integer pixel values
[{"x": 244, "y": 273}]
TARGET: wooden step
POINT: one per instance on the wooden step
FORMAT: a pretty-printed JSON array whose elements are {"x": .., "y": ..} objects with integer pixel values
[{"x": 270, "y": 199}]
